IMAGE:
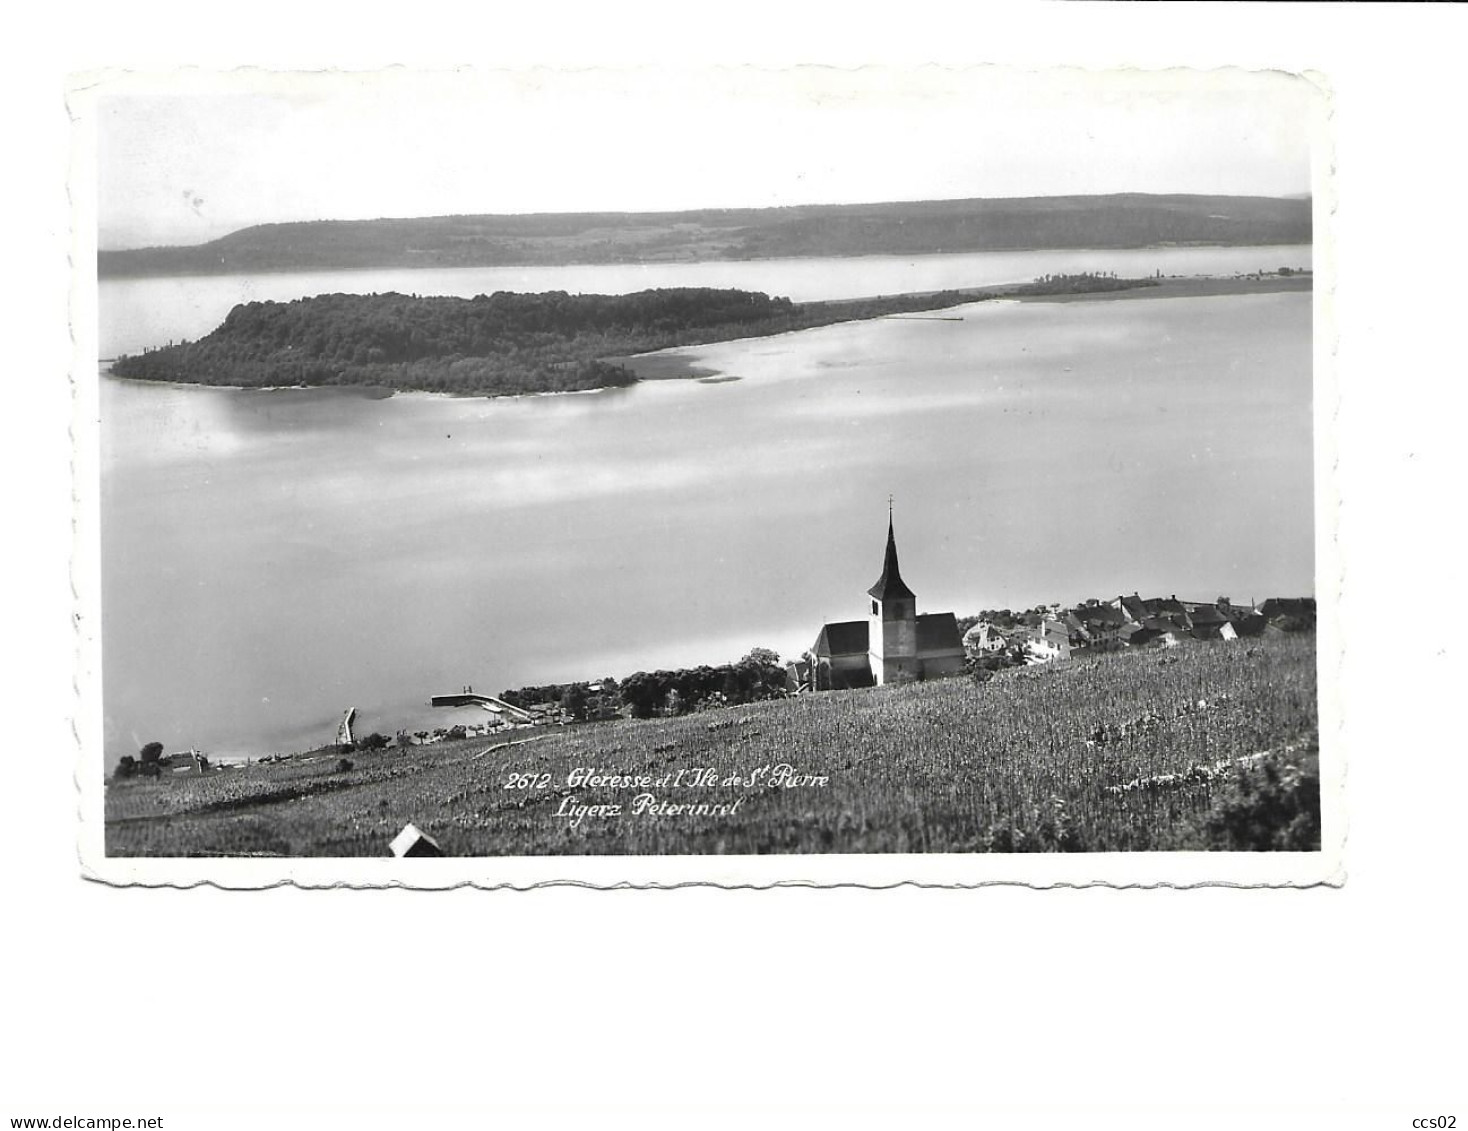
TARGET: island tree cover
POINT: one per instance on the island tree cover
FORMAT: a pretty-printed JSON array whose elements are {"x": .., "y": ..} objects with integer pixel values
[
  {"x": 899, "y": 228},
  {"x": 496, "y": 344}
]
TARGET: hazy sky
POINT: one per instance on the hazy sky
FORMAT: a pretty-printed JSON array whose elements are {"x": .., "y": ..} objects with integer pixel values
[{"x": 188, "y": 159}]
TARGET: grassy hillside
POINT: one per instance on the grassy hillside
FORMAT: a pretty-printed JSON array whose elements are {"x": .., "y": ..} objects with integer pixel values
[
  {"x": 1134, "y": 751},
  {"x": 906, "y": 228}
]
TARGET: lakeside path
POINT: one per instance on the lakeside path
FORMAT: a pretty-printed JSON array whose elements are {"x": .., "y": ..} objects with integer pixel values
[{"x": 683, "y": 362}]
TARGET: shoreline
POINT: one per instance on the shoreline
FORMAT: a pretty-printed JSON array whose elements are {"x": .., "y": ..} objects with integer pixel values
[
  {"x": 1191, "y": 286},
  {"x": 112, "y": 276},
  {"x": 367, "y": 392},
  {"x": 677, "y": 363}
]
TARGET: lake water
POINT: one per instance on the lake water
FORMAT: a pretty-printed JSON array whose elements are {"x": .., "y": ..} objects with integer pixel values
[{"x": 273, "y": 557}]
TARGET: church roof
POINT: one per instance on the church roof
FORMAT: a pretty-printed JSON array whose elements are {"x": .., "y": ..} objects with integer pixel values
[
  {"x": 938, "y": 632},
  {"x": 890, "y": 585},
  {"x": 842, "y": 638}
]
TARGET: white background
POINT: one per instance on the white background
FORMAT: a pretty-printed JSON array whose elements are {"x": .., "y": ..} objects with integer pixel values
[{"x": 1279, "y": 1008}]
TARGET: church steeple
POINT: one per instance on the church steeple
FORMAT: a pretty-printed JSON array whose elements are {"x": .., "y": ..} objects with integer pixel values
[
  {"x": 892, "y": 624},
  {"x": 890, "y": 585}
]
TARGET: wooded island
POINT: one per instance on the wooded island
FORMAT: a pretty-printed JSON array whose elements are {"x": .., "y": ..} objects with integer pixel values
[{"x": 505, "y": 343}]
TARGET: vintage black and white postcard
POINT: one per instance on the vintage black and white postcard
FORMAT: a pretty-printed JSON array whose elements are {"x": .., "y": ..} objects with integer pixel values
[{"x": 722, "y": 475}]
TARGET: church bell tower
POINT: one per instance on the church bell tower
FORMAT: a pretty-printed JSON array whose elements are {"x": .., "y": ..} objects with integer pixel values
[{"x": 892, "y": 620}]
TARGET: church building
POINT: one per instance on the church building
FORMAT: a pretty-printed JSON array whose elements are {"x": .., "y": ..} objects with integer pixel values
[{"x": 894, "y": 644}]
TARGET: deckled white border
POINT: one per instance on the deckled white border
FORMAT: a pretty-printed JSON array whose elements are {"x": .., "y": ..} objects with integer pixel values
[{"x": 824, "y": 870}]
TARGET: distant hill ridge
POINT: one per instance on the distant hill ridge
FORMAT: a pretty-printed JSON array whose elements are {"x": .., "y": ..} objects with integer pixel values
[{"x": 911, "y": 228}]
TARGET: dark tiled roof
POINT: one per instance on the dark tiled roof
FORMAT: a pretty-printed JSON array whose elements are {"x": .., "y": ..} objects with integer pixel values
[
  {"x": 890, "y": 585},
  {"x": 842, "y": 638},
  {"x": 938, "y": 632},
  {"x": 1256, "y": 625},
  {"x": 1288, "y": 607},
  {"x": 1205, "y": 616},
  {"x": 1099, "y": 614},
  {"x": 1136, "y": 607},
  {"x": 1166, "y": 605},
  {"x": 1053, "y": 631}
]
